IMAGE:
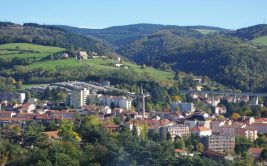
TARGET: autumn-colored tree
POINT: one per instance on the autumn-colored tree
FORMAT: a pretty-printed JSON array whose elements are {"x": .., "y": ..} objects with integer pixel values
[
  {"x": 176, "y": 98},
  {"x": 66, "y": 131},
  {"x": 200, "y": 147},
  {"x": 236, "y": 116}
]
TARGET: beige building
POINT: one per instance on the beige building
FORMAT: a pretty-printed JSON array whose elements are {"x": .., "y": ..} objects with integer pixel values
[
  {"x": 239, "y": 130},
  {"x": 219, "y": 143},
  {"x": 78, "y": 98},
  {"x": 179, "y": 130}
]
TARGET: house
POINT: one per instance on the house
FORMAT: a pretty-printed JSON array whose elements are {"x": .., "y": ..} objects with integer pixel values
[
  {"x": 25, "y": 115},
  {"x": 112, "y": 127},
  {"x": 13, "y": 120},
  {"x": 201, "y": 131},
  {"x": 42, "y": 117},
  {"x": 29, "y": 108},
  {"x": 7, "y": 114},
  {"x": 260, "y": 127},
  {"x": 180, "y": 152},
  {"x": 216, "y": 124},
  {"x": 248, "y": 132},
  {"x": 118, "y": 65},
  {"x": 197, "y": 120},
  {"x": 219, "y": 110},
  {"x": 218, "y": 156},
  {"x": 60, "y": 115},
  {"x": 239, "y": 129},
  {"x": 20, "y": 97},
  {"x": 255, "y": 152},
  {"x": 51, "y": 134},
  {"x": 83, "y": 55}
]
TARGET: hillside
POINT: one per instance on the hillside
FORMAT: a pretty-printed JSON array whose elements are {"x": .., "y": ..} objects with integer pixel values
[
  {"x": 38, "y": 68},
  {"x": 227, "y": 60},
  {"x": 50, "y": 36},
  {"x": 120, "y": 36},
  {"x": 260, "y": 40},
  {"x": 148, "y": 49},
  {"x": 251, "y": 32}
]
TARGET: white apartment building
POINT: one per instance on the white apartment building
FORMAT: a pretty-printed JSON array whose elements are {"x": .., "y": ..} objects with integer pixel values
[
  {"x": 116, "y": 101},
  {"x": 78, "y": 98}
]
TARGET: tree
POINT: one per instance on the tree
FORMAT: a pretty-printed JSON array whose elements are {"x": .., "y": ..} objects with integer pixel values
[
  {"x": 236, "y": 116},
  {"x": 89, "y": 122},
  {"x": 179, "y": 144},
  {"x": 176, "y": 98},
  {"x": 18, "y": 85},
  {"x": 66, "y": 131},
  {"x": 263, "y": 155},
  {"x": 242, "y": 144},
  {"x": 117, "y": 120},
  {"x": 200, "y": 147},
  {"x": 148, "y": 107}
]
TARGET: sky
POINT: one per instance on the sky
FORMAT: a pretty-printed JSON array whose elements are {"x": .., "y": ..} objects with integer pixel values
[{"x": 231, "y": 14}]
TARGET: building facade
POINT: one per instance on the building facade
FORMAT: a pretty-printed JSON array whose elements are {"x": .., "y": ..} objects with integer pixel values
[
  {"x": 78, "y": 98},
  {"x": 219, "y": 143},
  {"x": 179, "y": 130},
  {"x": 115, "y": 101}
]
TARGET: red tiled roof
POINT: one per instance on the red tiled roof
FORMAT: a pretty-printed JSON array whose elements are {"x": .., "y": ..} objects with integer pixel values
[
  {"x": 6, "y": 112},
  {"x": 200, "y": 129},
  {"x": 51, "y": 134},
  {"x": 42, "y": 117},
  {"x": 255, "y": 150},
  {"x": 213, "y": 153},
  {"x": 111, "y": 126},
  {"x": 180, "y": 151},
  {"x": 13, "y": 119},
  {"x": 261, "y": 120}
]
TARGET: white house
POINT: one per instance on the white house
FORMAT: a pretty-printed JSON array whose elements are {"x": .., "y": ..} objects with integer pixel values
[
  {"x": 198, "y": 120},
  {"x": 201, "y": 131}
]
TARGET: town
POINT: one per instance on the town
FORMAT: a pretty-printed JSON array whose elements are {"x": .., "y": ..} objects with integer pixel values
[
  {"x": 133, "y": 83},
  {"x": 215, "y": 134}
]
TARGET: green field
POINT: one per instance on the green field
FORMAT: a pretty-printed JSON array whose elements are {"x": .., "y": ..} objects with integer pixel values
[
  {"x": 26, "y": 50},
  {"x": 206, "y": 31},
  {"x": 261, "y": 40},
  {"x": 97, "y": 65}
]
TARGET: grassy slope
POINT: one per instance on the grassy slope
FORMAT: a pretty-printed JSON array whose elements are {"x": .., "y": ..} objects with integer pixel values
[
  {"x": 98, "y": 65},
  {"x": 261, "y": 40},
  {"x": 24, "y": 50},
  {"x": 206, "y": 31}
]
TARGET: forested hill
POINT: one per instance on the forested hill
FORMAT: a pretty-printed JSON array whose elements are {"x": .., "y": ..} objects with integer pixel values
[
  {"x": 150, "y": 48},
  {"x": 49, "y": 35},
  {"x": 251, "y": 32},
  {"x": 228, "y": 60},
  {"x": 120, "y": 36}
]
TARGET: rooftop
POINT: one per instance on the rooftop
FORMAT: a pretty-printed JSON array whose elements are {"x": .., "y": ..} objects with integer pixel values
[
  {"x": 255, "y": 150},
  {"x": 200, "y": 129}
]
